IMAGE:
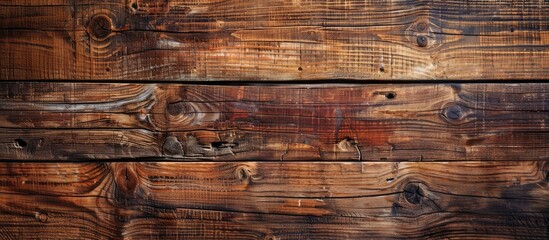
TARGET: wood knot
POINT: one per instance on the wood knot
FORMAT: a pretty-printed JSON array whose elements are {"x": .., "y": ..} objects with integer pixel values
[
  {"x": 243, "y": 173},
  {"x": 453, "y": 112},
  {"x": 172, "y": 146},
  {"x": 41, "y": 217},
  {"x": 390, "y": 95},
  {"x": 421, "y": 33},
  {"x": 134, "y": 6},
  {"x": 182, "y": 111},
  {"x": 413, "y": 193},
  {"x": 126, "y": 178},
  {"x": 122, "y": 219},
  {"x": 20, "y": 143},
  {"x": 175, "y": 108},
  {"x": 422, "y": 27},
  {"x": 422, "y": 41},
  {"x": 415, "y": 200},
  {"x": 100, "y": 26}
]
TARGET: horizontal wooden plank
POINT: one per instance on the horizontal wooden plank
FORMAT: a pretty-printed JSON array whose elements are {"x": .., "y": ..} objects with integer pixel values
[
  {"x": 273, "y": 40},
  {"x": 411, "y": 122},
  {"x": 274, "y": 200}
]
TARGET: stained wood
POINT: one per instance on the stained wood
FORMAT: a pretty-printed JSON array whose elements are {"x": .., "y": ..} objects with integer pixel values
[
  {"x": 273, "y": 40},
  {"x": 411, "y": 122},
  {"x": 152, "y": 160},
  {"x": 250, "y": 200}
]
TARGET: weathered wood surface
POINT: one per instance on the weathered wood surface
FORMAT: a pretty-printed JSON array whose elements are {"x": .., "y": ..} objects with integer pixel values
[
  {"x": 274, "y": 200},
  {"x": 155, "y": 160},
  {"x": 273, "y": 40},
  {"x": 412, "y": 122}
]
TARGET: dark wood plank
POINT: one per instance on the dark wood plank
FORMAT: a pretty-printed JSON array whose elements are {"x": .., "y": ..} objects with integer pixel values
[
  {"x": 274, "y": 200},
  {"x": 412, "y": 122},
  {"x": 273, "y": 40}
]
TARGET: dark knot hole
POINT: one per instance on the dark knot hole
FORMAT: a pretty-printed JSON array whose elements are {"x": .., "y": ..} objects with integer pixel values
[{"x": 20, "y": 143}]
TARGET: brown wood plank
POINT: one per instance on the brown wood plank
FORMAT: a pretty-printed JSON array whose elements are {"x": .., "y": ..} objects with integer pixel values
[
  {"x": 411, "y": 122},
  {"x": 273, "y": 40},
  {"x": 274, "y": 200}
]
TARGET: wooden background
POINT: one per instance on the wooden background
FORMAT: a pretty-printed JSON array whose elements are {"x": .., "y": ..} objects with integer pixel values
[
  {"x": 274, "y": 119},
  {"x": 196, "y": 40}
]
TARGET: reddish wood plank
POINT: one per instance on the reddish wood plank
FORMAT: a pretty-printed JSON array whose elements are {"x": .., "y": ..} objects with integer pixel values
[{"x": 412, "y": 122}]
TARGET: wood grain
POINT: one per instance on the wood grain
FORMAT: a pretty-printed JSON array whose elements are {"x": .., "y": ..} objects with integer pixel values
[
  {"x": 273, "y": 200},
  {"x": 210, "y": 40},
  {"x": 83, "y": 157},
  {"x": 411, "y": 122}
]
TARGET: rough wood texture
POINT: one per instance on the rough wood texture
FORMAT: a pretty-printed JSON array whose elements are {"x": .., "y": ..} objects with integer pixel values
[
  {"x": 273, "y": 200},
  {"x": 443, "y": 122},
  {"x": 273, "y": 39},
  {"x": 161, "y": 154}
]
